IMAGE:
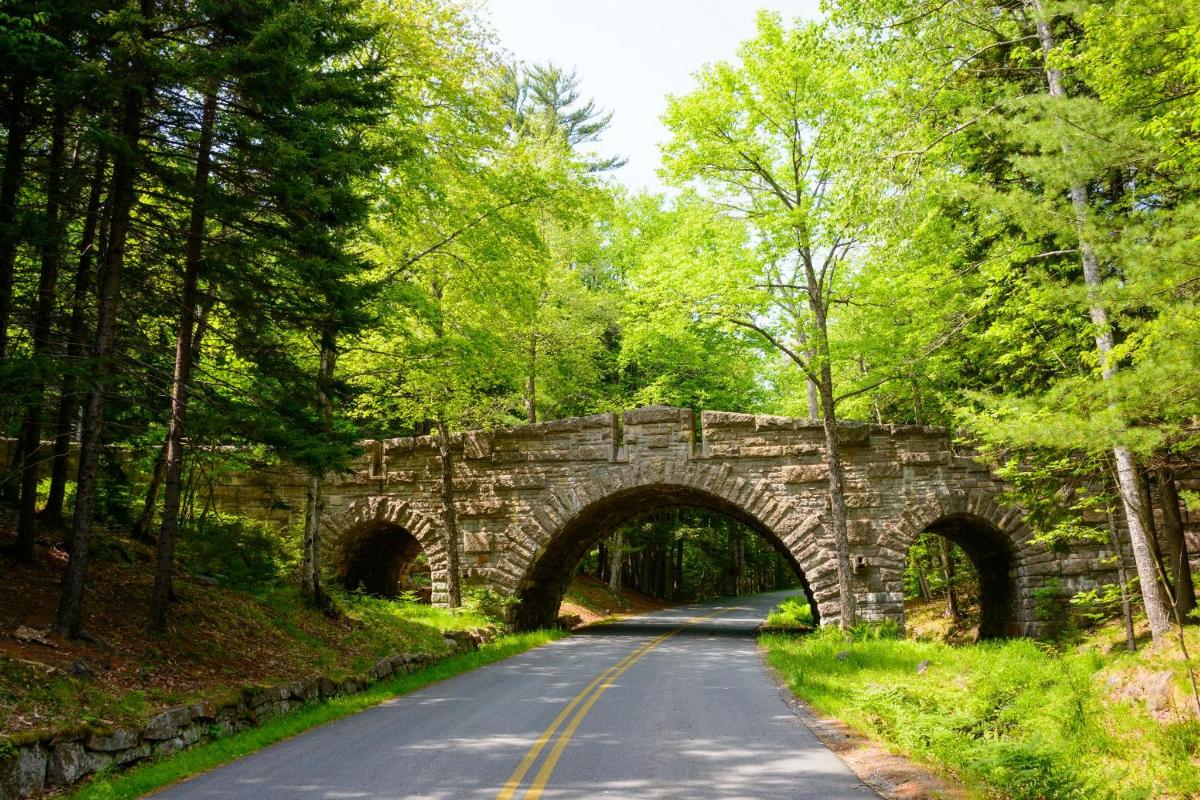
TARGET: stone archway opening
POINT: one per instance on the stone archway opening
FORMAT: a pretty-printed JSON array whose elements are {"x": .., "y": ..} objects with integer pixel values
[
  {"x": 966, "y": 564},
  {"x": 541, "y": 592},
  {"x": 386, "y": 560}
]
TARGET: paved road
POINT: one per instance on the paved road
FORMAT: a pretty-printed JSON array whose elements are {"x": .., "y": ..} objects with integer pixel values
[{"x": 674, "y": 704}]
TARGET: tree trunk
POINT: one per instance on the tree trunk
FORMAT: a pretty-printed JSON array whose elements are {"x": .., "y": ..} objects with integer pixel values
[
  {"x": 922, "y": 581},
  {"x": 947, "y": 555},
  {"x": 614, "y": 572},
  {"x": 141, "y": 528},
  {"x": 43, "y": 317},
  {"x": 310, "y": 577},
  {"x": 531, "y": 382},
  {"x": 1158, "y": 611},
  {"x": 68, "y": 402},
  {"x": 181, "y": 382},
  {"x": 123, "y": 194},
  {"x": 837, "y": 501},
  {"x": 1123, "y": 578},
  {"x": 739, "y": 563},
  {"x": 449, "y": 516},
  {"x": 677, "y": 589},
  {"x": 10, "y": 185},
  {"x": 1180, "y": 567}
]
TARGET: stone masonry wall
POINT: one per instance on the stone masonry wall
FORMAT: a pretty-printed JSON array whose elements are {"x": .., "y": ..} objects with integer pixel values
[{"x": 523, "y": 492}]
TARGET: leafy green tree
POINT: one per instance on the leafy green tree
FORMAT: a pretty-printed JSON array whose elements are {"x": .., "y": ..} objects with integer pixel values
[{"x": 780, "y": 141}]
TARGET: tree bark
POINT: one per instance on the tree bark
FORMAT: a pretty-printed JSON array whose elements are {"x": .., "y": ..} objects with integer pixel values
[
  {"x": 614, "y": 572},
  {"x": 68, "y": 403},
  {"x": 449, "y": 516},
  {"x": 531, "y": 382},
  {"x": 837, "y": 500},
  {"x": 310, "y": 580},
  {"x": 123, "y": 194},
  {"x": 43, "y": 317},
  {"x": 181, "y": 382},
  {"x": 1123, "y": 578},
  {"x": 1158, "y": 610},
  {"x": 948, "y": 572},
  {"x": 10, "y": 185},
  {"x": 1180, "y": 567},
  {"x": 677, "y": 589}
]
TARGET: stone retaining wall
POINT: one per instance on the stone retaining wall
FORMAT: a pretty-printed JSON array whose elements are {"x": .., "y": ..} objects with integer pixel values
[{"x": 32, "y": 763}]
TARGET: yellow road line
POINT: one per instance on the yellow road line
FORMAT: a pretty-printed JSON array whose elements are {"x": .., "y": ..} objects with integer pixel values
[
  {"x": 514, "y": 781},
  {"x": 605, "y": 678}
]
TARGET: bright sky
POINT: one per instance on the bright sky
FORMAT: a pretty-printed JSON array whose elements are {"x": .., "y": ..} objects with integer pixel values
[{"x": 630, "y": 54}]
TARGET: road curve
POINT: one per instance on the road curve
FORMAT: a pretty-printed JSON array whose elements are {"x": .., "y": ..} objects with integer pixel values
[{"x": 674, "y": 704}]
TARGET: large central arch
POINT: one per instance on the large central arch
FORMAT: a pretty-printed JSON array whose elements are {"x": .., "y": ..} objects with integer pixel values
[
  {"x": 548, "y": 576},
  {"x": 563, "y": 532}
]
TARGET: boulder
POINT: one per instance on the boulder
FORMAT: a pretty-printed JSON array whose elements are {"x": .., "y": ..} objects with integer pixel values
[
  {"x": 167, "y": 724},
  {"x": 68, "y": 763},
  {"x": 119, "y": 739},
  {"x": 23, "y": 774}
]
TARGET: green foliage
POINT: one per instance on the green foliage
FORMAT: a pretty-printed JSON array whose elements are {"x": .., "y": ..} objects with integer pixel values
[
  {"x": 488, "y": 604},
  {"x": 795, "y": 612},
  {"x": 1103, "y": 603},
  {"x": 1011, "y": 718},
  {"x": 240, "y": 552}
]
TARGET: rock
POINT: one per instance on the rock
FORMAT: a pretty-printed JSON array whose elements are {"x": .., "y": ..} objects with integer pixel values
[
  {"x": 382, "y": 669},
  {"x": 123, "y": 757},
  {"x": 119, "y": 739},
  {"x": 924, "y": 665},
  {"x": 80, "y": 669},
  {"x": 203, "y": 710},
  {"x": 23, "y": 774},
  {"x": 27, "y": 635},
  {"x": 206, "y": 580},
  {"x": 842, "y": 655},
  {"x": 99, "y": 761},
  {"x": 168, "y": 724},
  {"x": 68, "y": 763}
]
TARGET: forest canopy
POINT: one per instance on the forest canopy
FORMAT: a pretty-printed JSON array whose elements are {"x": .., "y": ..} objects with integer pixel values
[{"x": 290, "y": 226}]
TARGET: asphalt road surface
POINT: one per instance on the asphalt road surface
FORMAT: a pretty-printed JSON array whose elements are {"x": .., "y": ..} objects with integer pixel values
[{"x": 674, "y": 704}]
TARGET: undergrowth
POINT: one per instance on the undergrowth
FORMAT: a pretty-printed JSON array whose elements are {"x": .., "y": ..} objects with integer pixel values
[
  {"x": 1012, "y": 719},
  {"x": 795, "y": 612}
]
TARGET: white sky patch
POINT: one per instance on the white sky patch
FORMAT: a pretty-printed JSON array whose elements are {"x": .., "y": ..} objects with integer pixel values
[{"x": 630, "y": 54}]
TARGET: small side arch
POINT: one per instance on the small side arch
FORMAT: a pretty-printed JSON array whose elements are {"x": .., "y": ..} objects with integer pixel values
[
  {"x": 372, "y": 541},
  {"x": 993, "y": 536}
]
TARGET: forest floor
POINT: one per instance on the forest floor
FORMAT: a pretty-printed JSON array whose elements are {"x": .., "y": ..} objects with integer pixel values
[
  {"x": 1077, "y": 718},
  {"x": 218, "y": 640},
  {"x": 591, "y": 600}
]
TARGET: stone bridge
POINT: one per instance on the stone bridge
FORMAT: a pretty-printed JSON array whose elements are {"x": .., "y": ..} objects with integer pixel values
[{"x": 532, "y": 500}]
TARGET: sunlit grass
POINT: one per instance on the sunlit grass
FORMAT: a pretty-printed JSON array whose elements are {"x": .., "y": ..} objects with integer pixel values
[{"x": 1011, "y": 719}]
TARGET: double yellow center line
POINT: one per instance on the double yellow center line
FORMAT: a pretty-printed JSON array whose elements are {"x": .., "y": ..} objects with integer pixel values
[{"x": 580, "y": 704}]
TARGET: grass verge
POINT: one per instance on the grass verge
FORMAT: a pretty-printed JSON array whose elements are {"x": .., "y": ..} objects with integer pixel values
[
  {"x": 1011, "y": 719},
  {"x": 157, "y": 774}
]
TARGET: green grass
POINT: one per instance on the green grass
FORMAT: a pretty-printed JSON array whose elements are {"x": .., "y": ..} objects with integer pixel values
[
  {"x": 1011, "y": 719},
  {"x": 795, "y": 612},
  {"x": 157, "y": 774}
]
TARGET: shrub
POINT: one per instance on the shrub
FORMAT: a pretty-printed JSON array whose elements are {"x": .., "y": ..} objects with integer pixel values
[
  {"x": 488, "y": 604},
  {"x": 795, "y": 612},
  {"x": 240, "y": 552}
]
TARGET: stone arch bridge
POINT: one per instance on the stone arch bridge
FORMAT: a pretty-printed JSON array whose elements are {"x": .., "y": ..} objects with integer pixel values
[{"x": 532, "y": 500}]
